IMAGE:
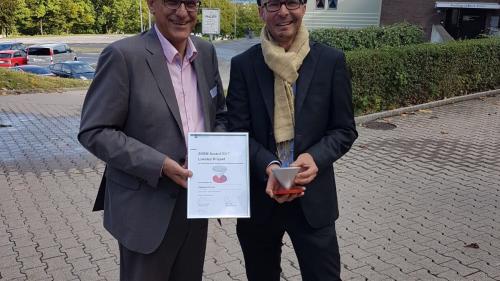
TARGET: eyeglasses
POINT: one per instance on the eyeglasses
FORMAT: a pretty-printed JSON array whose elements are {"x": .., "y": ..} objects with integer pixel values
[
  {"x": 274, "y": 6},
  {"x": 190, "y": 5}
]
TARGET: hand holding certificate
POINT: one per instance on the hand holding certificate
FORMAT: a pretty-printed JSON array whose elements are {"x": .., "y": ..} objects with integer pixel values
[{"x": 220, "y": 185}]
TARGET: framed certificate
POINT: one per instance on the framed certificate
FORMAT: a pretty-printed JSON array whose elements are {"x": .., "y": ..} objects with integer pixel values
[{"x": 220, "y": 185}]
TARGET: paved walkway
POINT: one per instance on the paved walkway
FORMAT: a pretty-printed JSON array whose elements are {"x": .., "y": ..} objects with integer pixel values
[{"x": 411, "y": 199}]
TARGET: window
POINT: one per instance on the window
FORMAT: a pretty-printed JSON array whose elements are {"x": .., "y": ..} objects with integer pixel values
[
  {"x": 39, "y": 51},
  {"x": 66, "y": 69},
  {"x": 59, "y": 49},
  {"x": 495, "y": 21},
  {"x": 330, "y": 4},
  {"x": 18, "y": 55},
  {"x": 57, "y": 67}
]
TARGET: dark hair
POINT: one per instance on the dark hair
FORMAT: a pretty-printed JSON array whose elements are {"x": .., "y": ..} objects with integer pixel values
[{"x": 260, "y": 1}]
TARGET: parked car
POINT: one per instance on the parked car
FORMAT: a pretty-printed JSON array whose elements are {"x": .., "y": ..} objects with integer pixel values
[
  {"x": 10, "y": 58},
  {"x": 33, "y": 69},
  {"x": 12, "y": 46},
  {"x": 46, "y": 54},
  {"x": 73, "y": 69}
]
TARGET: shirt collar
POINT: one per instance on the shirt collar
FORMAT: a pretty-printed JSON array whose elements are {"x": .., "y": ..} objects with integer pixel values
[{"x": 171, "y": 52}]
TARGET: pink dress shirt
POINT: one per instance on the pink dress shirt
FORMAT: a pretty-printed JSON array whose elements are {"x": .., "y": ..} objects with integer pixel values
[{"x": 185, "y": 84}]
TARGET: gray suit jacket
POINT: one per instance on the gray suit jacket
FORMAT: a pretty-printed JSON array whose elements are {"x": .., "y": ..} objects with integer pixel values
[{"x": 131, "y": 121}]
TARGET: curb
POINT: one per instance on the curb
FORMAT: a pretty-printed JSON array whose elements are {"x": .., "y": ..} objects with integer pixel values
[
  {"x": 374, "y": 116},
  {"x": 37, "y": 91}
]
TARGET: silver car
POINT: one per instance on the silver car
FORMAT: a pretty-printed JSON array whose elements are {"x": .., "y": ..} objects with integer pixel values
[{"x": 47, "y": 54}]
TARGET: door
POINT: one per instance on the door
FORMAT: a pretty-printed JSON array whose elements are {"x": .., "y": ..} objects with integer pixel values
[{"x": 473, "y": 23}]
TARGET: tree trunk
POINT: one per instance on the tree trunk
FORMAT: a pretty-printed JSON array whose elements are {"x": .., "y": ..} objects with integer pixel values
[{"x": 41, "y": 26}]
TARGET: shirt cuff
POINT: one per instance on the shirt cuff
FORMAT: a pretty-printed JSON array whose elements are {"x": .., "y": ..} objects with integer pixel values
[{"x": 274, "y": 162}]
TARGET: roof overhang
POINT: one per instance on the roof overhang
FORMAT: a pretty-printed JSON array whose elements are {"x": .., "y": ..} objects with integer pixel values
[{"x": 468, "y": 5}]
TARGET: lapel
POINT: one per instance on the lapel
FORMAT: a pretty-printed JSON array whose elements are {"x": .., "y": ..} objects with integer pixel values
[
  {"x": 306, "y": 74},
  {"x": 265, "y": 79},
  {"x": 203, "y": 90},
  {"x": 156, "y": 61}
]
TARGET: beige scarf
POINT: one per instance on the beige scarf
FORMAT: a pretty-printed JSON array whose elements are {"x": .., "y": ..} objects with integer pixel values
[{"x": 285, "y": 65}]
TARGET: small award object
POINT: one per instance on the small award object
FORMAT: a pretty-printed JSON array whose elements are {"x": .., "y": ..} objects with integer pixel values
[{"x": 285, "y": 177}]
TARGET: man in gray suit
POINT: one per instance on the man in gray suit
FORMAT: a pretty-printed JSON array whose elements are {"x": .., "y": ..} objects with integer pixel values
[{"x": 150, "y": 90}]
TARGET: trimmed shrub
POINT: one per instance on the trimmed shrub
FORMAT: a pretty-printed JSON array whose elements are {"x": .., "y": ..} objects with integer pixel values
[
  {"x": 374, "y": 37},
  {"x": 390, "y": 78}
]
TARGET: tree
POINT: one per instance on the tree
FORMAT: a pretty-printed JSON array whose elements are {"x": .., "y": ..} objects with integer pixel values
[
  {"x": 248, "y": 19},
  {"x": 10, "y": 12},
  {"x": 34, "y": 21}
]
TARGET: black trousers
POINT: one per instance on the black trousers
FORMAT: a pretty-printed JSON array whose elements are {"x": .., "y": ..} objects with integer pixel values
[
  {"x": 317, "y": 250},
  {"x": 179, "y": 257}
]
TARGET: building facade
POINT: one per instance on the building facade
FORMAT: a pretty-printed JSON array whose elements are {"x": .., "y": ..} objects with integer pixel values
[
  {"x": 342, "y": 13},
  {"x": 461, "y": 19}
]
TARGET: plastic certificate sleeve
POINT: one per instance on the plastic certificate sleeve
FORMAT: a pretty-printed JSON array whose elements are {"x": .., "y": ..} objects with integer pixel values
[{"x": 220, "y": 185}]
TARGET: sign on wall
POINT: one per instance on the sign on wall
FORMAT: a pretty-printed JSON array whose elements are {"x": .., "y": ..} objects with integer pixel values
[{"x": 210, "y": 22}]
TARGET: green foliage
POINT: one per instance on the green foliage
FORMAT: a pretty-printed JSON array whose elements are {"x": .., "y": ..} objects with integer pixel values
[
  {"x": 34, "y": 17},
  {"x": 401, "y": 34},
  {"x": 248, "y": 20},
  {"x": 56, "y": 17},
  {"x": 390, "y": 78},
  {"x": 11, "y": 11}
]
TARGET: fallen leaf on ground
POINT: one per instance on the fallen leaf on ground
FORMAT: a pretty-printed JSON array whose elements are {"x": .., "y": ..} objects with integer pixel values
[
  {"x": 472, "y": 245},
  {"x": 425, "y": 111},
  {"x": 444, "y": 132}
]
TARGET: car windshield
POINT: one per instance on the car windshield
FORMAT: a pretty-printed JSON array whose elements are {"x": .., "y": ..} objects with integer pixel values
[
  {"x": 37, "y": 70},
  {"x": 39, "y": 51},
  {"x": 5, "y": 46},
  {"x": 4, "y": 55},
  {"x": 81, "y": 68}
]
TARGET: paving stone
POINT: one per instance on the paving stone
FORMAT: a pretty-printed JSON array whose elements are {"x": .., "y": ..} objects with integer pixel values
[
  {"x": 409, "y": 201},
  {"x": 37, "y": 273}
]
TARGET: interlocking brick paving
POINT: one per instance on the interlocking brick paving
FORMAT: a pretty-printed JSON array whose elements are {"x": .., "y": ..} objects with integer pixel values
[{"x": 410, "y": 199}]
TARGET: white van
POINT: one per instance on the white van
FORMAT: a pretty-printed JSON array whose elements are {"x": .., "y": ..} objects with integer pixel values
[{"x": 47, "y": 54}]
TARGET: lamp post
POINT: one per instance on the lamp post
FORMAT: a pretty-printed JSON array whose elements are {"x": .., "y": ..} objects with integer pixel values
[
  {"x": 235, "y": 10},
  {"x": 149, "y": 19},
  {"x": 140, "y": 14}
]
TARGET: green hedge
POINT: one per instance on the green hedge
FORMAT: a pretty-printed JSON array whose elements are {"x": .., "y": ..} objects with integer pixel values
[
  {"x": 394, "y": 77},
  {"x": 397, "y": 35}
]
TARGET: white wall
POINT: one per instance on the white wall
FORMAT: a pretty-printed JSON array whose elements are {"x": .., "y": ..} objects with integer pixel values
[{"x": 349, "y": 13}]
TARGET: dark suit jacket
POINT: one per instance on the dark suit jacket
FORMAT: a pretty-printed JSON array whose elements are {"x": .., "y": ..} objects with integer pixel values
[
  {"x": 324, "y": 124},
  {"x": 131, "y": 121}
]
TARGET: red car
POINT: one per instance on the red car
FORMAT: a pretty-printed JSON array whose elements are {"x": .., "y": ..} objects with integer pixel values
[{"x": 9, "y": 58}]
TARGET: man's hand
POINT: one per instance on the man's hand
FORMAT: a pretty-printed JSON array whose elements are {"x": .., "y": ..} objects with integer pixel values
[
  {"x": 273, "y": 185},
  {"x": 176, "y": 172},
  {"x": 308, "y": 170}
]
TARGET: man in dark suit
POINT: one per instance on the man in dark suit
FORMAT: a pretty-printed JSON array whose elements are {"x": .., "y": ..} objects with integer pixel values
[
  {"x": 150, "y": 90},
  {"x": 294, "y": 98}
]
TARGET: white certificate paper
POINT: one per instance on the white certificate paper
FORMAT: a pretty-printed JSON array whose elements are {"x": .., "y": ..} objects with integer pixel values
[{"x": 220, "y": 185}]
